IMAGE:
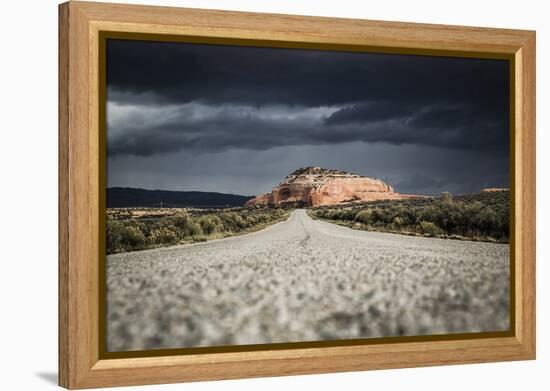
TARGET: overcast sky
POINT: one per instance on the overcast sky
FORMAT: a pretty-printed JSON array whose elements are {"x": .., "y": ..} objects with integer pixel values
[{"x": 239, "y": 119}]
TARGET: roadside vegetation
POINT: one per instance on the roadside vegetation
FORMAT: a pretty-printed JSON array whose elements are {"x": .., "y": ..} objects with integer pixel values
[
  {"x": 481, "y": 216},
  {"x": 131, "y": 229}
]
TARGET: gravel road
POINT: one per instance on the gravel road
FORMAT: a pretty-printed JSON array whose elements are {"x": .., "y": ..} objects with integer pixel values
[{"x": 304, "y": 280}]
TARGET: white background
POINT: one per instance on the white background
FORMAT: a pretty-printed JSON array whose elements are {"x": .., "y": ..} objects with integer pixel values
[{"x": 28, "y": 194}]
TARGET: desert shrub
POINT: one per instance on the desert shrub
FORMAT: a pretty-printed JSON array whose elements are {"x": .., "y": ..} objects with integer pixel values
[
  {"x": 181, "y": 221},
  {"x": 365, "y": 216},
  {"x": 398, "y": 222},
  {"x": 239, "y": 222},
  {"x": 343, "y": 214},
  {"x": 215, "y": 220},
  {"x": 207, "y": 225},
  {"x": 163, "y": 235},
  {"x": 133, "y": 237},
  {"x": 261, "y": 218},
  {"x": 319, "y": 213},
  {"x": 251, "y": 221},
  {"x": 194, "y": 229},
  {"x": 330, "y": 214},
  {"x": 429, "y": 228},
  {"x": 232, "y": 221},
  {"x": 487, "y": 220},
  {"x": 114, "y": 236},
  {"x": 446, "y": 197},
  {"x": 121, "y": 237}
]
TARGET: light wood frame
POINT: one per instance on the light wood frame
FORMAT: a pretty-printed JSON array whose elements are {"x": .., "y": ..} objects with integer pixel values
[{"x": 80, "y": 25}]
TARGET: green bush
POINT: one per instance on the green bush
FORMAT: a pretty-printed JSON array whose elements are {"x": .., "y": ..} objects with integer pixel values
[
  {"x": 121, "y": 237},
  {"x": 114, "y": 236},
  {"x": 181, "y": 221},
  {"x": 429, "y": 228},
  {"x": 163, "y": 235},
  {"x": 207, "y": 225},
  {"x": 365, "y": 216},
  {"x": 194, "y": 229},
  {"x": 398, "y": 222}
]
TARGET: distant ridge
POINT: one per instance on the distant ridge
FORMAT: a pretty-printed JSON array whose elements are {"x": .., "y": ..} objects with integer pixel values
[{"x": 128, "y": 197}]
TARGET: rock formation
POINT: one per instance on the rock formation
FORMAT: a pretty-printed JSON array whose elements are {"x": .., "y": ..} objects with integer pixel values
[{"x": 313, "y": 186}]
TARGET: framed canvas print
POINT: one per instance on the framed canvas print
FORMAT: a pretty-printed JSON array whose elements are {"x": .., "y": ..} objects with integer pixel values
[{"x": 249, "y": 195}]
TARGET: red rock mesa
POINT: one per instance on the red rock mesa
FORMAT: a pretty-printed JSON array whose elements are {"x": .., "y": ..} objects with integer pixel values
[{"x": 315, "y": 186}]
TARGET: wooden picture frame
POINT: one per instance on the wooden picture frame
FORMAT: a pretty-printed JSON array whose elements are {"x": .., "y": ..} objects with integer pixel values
[{"x": 81, "y": 25}]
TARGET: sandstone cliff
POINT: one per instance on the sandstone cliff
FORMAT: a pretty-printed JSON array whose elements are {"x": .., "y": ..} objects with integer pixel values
[{"x": 315, "y": 186}]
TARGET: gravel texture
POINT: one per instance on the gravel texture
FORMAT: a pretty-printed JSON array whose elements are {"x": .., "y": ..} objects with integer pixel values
[{"x": 304, "y": 280}]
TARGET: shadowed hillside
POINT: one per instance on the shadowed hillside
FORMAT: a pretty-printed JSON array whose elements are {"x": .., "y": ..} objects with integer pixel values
[{"x": 127, "y": 197}]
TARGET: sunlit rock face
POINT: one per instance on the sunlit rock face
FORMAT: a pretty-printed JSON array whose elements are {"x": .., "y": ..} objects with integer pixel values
[{"x": 314, "y": 186}]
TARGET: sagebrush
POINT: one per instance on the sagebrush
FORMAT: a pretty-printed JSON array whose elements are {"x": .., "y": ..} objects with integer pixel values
[
  {"x": 480, "y": 216},
  {"x": 130, "y": 229}
]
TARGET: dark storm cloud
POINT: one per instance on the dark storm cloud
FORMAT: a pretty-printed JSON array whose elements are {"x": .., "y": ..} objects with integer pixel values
[
  {"x": 462, "y": 125},
  {"x": 450, "y": 102},
  {"x": 155, "y": 72},
  {"x": 170, "y": 99},
  {"x": 253, "y": 128},
  {"x": 202, "y": 128}
]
